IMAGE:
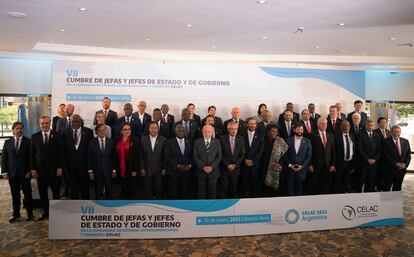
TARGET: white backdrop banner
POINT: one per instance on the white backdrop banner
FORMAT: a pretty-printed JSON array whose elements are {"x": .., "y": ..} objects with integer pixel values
[
  {"x": 224, "y": 85},
  {"x": 113, "y": 219}
]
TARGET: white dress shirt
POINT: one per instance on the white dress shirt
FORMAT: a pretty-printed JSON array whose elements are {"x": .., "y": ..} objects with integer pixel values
[
  {"x": 351, "y": 149},
  {"x": 298, "y": 140},
  {"x": 251, "y": 136},
  {"x": 153, "y": 140}
]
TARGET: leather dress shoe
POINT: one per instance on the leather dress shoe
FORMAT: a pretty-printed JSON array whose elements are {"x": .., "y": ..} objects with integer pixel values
[{"x": 13, "y": 218}]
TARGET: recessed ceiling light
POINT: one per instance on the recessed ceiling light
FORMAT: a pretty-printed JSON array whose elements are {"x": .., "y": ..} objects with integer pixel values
[
  {"x": 17, "y": 14},
  {"x": 261, "y": 1},
  {"x": 51, "y": 41},
  {"x": 342, "y": 24},
  {"x": 317, "y": 47},
  {"x": 62, "y": 30},
  {"x": 264, "y": 37},
  {"x": 147, "y": 39},
  {"x": 342, "y": 50},
  {"x": 189, "y": 25},
  {"x": 393, "y": 38},
  {"x": 363, "y": 54},
  {"x": 213, "y": 46},
  {"x": 82, "y": 9}
]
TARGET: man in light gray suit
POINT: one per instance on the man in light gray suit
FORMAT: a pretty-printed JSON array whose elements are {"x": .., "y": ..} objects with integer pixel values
[{"x": 207, "y": 158}]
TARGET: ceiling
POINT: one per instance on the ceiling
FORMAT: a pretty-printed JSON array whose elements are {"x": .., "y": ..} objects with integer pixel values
[{"x": 219, "y": 28}]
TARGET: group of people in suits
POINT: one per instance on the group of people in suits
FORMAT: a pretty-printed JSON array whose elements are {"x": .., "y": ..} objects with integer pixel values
[{"x": 156, "y": 157}]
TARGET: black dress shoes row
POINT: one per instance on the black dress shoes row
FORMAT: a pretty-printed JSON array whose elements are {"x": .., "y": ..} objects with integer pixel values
[
  {"x": 14, "y": 217},
  {"x": 43, "y": 216}
]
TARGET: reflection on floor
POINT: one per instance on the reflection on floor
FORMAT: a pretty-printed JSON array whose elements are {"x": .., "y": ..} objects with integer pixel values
[{"x": 31, "y": 239}]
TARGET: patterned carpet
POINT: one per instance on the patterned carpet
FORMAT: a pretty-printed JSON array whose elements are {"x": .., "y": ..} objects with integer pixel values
[{"x": 31, "y": 239}]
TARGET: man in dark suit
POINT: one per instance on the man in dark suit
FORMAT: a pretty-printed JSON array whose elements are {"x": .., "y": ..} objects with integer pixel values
[
  {"x": 191, "y": 129},
  {"x": 65, "y": 122},
  {"x": 358, "y": 109},
  {"x": 322, "y": 165},
  {"x": 217, "y": 131},
  {"x": 235, "y": 117},
  {"x": 110, "y": 116},
  {"x": 207, "y": 157},
  {"x": 286, "y": 125},
  {"x": 297, "y": 159},
  {"x": 101, "y": 163},
  {"x": 142, "y": 117},
  {"x": 384, "y": 133},
  {"x": 168, "y": 118},
  {"x": 289, "y": 107},
  {"x": 266, "y": 120},
  {"x": 15, "y": 168},
  {"x": 179, "y": 162},
  {"x": 76, "y": 141},
  {"x": 308, "y": 126},
  {"x": 356, "y": 125},
  {"x": 369, "y": 150},
  {"x": 312, "y": 113},
  {"x": 46, "y": 162},
  {"x": 162, "y": 126},
  {"x": 218, "y": 122},
  {"x": 128, "y": 118},
  {"x": 398, "y": 156},
  {"x": 341, "y": 115},
  {"x": 153, "y": 164},
  {"x": 345, "y": 158},
  {"x": 233, "y": 151},
  {"x": 250, "y": 173},
  {"x": 334, "y": 124}
]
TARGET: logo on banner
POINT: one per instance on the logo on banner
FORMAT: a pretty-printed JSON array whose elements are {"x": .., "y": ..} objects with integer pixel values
[
  {"x": 361, "y": 211},
  {"x": 348, "y": 212},
  {"x": 292, "y": 216}
]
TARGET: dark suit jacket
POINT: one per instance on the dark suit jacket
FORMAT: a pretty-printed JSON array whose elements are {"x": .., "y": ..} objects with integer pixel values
[
  {"x": 305, "y": 130},
  {"x": 315, "y": 120},
  {"x": 241, "y": 130},
  {"x": 322, "y": 158},
  {"x": 367, "y": 148},
  {"x": 134, "y": 126},
  {"x": 101, "y": 163},
  {"x": 145, "y": 121},
  {"x": 340, "y": 150},
  {"x": 46, "y": 160},
  {"x": 153, "y": 161},
  {"x": 343, "y": 116},
  {"x": 201, "y": 158},
  {"x": 15, "y": 163},
  {"x": 238, "y": 155},
  {"x": 197, "y": 119},
  {"x": 387, "y": 133},
  {"x": 163, "y": 130},
  {"x": 303, "y": 156},
  {"x": 170, "y": 122},
  {"x": 76, "y": 159},
  {"x": 134, "y": 157},
  {"x": 364, "y": 118},
  {"x": 330, "y": 125},
  {"x": 193, "y": 129},
  {"x": 392, "y": 156},
  {"x": 111, "y": 118},
  {"x": 218, "y": 122},
  {"x": 353, "y": 132},
  {"x": 283, "y": 130},
  {"x": 255, "y": 151},
  {"x": 174, "y": 157},
  {"x": 261, "y": 127},
  {"x": 54, "y": 122},
  {"x": 295, "y": 117}
]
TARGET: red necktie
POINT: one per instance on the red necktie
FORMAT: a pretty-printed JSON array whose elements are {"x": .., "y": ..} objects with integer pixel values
[
  {"x": 324, "y": 141},
  {"x": 334, "y": 124},
  {"x": 165, "y": 118},
  {"x": 397, "y": 144},
  {"x": 308, "y": 127}
]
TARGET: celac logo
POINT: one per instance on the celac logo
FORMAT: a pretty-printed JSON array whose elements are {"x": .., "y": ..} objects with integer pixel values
[
  {"x": 292, "y": 216},
  {"x": 348, "y": 212}
]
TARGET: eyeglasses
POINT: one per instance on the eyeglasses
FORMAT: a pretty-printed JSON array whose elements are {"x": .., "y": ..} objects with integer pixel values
[{"x": 126, "y": 129}]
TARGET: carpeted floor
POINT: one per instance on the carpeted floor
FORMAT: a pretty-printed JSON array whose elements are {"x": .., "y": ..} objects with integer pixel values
[{"x": 31, "y": 239}]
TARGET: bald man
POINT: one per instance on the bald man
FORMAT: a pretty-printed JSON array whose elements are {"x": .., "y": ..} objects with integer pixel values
[{"x": 235, "y": 117}]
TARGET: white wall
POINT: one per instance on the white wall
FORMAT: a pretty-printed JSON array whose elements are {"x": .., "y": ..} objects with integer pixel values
[
  {"x": 25, "y": 76},
  {"x": 389, "y": 86}
]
